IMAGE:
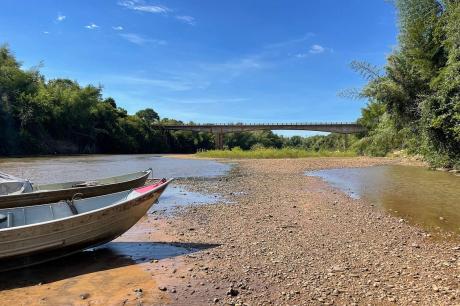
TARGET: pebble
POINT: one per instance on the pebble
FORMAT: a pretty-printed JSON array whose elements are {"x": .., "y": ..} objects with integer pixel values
[
  {"x": 232, "y": 292},
  {"x": 354, "y": 256},
  {"x": 84, "y": 296}
]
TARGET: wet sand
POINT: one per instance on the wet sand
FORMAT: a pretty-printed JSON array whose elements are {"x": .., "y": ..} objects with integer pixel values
[{"x": 280, "y": 238}]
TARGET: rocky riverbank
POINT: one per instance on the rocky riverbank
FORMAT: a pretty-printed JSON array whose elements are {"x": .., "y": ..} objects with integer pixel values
[
  {"x": 289, "y": 239},
  {"x": 278, "y": 238}
]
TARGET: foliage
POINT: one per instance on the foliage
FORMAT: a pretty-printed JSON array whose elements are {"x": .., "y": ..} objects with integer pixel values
[
  {"x": 148, "y": 115},
  {"x": 237, "y": 152},
  {"x": 415, "y": 104},
  {"x": 382, "y": 139},
  {"x": 246, "y": 140},
  {"x": 60, "y": 116}
]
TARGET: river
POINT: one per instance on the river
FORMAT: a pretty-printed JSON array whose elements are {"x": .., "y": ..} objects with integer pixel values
[
  {"x": 60, "y": 169},
  {"x": 86, "y": 167},
  {"x": 430, "y": 199}
]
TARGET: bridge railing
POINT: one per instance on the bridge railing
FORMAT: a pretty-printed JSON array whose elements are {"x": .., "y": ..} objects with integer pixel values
[{"x": 263, "y": 124}]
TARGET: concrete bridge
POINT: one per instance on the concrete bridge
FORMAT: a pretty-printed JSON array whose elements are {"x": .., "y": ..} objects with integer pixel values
[{"x": 220, "y": 129}]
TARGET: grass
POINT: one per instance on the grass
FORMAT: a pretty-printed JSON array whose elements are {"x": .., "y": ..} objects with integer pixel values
[{"x": 273, "y": 153}]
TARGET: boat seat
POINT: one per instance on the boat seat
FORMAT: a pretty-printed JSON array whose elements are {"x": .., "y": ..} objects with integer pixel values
[
  {"x": 72, "y": 207},
  {"x": 8, "y": 218},
  {"x": 71, "y": 203},
  {"x": 86, "y": 184}
]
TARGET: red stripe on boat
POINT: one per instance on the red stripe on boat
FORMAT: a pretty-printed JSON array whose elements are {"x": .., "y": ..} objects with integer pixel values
[{"x": 145, "y": 189}]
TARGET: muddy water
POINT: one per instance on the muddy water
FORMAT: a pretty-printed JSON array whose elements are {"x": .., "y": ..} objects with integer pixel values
[
  {"x": 430, "y": 199},
  {"x": 178, "y": 197},
  {"x": 113, "y": 273},
  {"x": 59, "y": 169}
]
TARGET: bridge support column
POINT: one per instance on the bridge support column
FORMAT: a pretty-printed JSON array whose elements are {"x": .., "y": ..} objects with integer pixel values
[{"x": 219, "y": 140}]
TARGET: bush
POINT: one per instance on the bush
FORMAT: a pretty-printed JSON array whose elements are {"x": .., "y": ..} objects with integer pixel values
[{"x": 261, "y": 153}]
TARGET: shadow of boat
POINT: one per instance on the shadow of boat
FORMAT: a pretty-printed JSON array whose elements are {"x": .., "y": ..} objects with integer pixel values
[{"x": 109, "y": 256}]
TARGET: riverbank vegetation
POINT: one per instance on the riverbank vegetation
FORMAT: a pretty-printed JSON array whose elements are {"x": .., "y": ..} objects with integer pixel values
[
  {"x": 39, "y": 116},
  {"x": 414, "y": 103},
  {"x": 59, "y": 116},
  {"x": 261, "y": 152}
]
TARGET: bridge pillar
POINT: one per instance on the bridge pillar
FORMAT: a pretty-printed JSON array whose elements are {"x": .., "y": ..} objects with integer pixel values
[{"x": 219, "y": 140}]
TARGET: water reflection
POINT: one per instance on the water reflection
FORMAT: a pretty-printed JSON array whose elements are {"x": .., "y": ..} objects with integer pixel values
[
  {"x": 427, "y": 198},
  {"x": 177, "y": 196},
  {"x": 110, "y": 256}
]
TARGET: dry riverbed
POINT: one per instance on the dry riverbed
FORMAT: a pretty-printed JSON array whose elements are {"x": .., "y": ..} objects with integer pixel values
[{"x": 281, "y": 238}]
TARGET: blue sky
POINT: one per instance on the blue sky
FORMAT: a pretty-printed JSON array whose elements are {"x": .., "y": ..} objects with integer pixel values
[{"x": 208, "y": 60}]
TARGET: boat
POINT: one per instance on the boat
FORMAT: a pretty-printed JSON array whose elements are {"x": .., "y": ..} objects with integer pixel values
[
  {"x": 16, "y": 192},
  {"x": 35, "y": 234}
]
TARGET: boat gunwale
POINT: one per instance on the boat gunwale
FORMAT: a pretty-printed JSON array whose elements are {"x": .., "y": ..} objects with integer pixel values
[
  {"x": 162, "y": 185},
  {"x": 145, "y": 172}
]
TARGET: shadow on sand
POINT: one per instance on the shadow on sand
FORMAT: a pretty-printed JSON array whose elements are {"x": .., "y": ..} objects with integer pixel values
[{"x": 109, "y": 256}]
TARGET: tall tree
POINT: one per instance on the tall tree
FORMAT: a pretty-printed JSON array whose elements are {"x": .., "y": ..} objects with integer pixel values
[{"x": 414, "y": 104}]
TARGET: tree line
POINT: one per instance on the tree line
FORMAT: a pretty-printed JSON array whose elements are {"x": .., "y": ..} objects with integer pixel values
[{"x": 59, "y": 116}]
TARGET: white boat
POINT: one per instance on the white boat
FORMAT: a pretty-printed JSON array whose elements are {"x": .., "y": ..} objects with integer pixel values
[{"x": 39, "y": 233}]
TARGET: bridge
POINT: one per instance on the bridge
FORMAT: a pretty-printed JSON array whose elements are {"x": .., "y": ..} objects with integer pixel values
[{"x": 220, "y": 129}]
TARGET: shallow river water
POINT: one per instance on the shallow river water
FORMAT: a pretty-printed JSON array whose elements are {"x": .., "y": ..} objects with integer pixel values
[
  {"x": 61, "y": 169},
  {"x": 430, "y": 199}
]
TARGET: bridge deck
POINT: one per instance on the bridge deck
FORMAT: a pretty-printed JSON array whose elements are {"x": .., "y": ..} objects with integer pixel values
[
  {"x": 264, "y": 124},
  {"x": 221, "y": 128},
  {"x": 337, "y": 127}
]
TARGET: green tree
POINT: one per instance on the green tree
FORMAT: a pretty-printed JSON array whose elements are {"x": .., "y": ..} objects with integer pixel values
[
  {"x": 148, "y": 115},
  {"x": 415, "y": 104}
]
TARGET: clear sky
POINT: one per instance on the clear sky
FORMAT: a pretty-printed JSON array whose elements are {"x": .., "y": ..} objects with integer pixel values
[{"x": 208, "y": 60}]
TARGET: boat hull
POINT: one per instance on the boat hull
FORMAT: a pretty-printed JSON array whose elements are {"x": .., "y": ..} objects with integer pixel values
[
  {"x": 50, "y": 196},
  {"x": 31, "y": 245}
]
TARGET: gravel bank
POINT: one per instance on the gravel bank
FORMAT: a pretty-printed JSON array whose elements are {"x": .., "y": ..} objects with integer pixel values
[{"x": 288, "y": 239}]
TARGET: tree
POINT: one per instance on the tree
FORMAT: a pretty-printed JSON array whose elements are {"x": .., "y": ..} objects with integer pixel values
[
  {"x": 441, "y": 110},
  {"x": 415, "y": 103},
  {"x": 148, "y": 115}
]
